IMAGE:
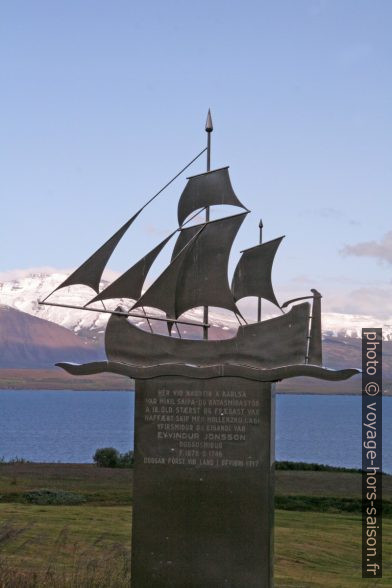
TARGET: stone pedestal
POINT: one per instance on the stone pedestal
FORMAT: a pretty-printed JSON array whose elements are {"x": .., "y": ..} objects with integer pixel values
[{"x": 203, "y": 484}]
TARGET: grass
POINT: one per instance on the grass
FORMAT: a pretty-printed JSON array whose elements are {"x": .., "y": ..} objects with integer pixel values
[
  {"x": 88, "y": 545},
  {"x": 322, "y": 549},
  {"x": 99, "y": 486},
  {"x": 315, "y": 467},
  {"x": 64, "y": 546},
  {"x": 326, "y": 504}
]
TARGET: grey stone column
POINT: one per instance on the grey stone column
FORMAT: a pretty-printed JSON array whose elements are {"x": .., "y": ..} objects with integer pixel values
[{"x": 203, "y": 504}]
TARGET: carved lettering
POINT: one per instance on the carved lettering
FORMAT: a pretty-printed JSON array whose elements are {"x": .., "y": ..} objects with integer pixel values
[{"x": 204, "y": 428}]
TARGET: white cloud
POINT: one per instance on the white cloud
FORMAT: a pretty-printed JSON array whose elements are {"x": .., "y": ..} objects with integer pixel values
[
  {"x": 381, "y": 250},
  {"x": 376, "y": 302}
]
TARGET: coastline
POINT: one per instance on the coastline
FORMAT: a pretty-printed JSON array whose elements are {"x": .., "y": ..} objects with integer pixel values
[{"x": 57, "y": 379}]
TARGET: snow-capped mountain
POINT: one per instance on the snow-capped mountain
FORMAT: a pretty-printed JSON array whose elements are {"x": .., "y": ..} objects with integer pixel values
[
  {"x": 27, "y": 341},
  {"x": 24, "y": 292}
]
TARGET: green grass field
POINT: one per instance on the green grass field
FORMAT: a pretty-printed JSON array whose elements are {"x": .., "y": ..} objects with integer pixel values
[{"x": 89, "y": 544}]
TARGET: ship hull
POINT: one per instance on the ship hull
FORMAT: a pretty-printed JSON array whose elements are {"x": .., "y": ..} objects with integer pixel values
[
  {"x": 273, "y": 343},
  {"x": 268, "y": 351}
]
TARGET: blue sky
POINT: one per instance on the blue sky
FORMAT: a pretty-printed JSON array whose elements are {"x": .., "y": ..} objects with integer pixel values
[{"x": 102, "y": 102}]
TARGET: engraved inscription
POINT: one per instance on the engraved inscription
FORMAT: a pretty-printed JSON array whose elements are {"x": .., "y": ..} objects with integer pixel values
[{"x": 205, "y": 428}]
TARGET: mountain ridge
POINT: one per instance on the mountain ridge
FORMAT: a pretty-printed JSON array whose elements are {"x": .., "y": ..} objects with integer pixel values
[
  {"x": 24, "y": 293},
  {"x": 36, "y": 337},
  {"x": 27, "y": 341}
]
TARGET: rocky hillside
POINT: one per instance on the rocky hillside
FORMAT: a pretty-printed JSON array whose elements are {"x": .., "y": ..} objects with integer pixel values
[{"x": 30, "y": 342}]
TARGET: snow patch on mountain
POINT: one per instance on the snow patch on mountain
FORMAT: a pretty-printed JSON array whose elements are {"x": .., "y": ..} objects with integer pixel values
[{"x": 23, "y": 293}]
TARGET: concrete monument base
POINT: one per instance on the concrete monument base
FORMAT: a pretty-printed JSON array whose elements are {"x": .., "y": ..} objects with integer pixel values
[{"x": 203, "y": 483}]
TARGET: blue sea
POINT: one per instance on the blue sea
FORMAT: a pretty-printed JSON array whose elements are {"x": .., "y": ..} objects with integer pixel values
[{"x": 68, "y": 426}]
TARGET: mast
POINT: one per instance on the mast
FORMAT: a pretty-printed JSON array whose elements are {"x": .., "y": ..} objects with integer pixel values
[
  {"x": 209, "y": 128},
  {"x": 259, "y": 298}
]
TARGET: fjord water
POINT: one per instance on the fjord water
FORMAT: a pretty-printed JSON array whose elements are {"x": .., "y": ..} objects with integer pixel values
[{"x": 68, "y": 426}]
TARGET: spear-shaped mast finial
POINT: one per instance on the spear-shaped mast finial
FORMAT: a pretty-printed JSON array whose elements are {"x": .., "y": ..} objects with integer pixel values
[{"x": 209, "y": 125}]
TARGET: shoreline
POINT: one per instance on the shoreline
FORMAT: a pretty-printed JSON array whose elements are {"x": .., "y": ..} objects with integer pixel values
[{"x": 57, "y": 379}]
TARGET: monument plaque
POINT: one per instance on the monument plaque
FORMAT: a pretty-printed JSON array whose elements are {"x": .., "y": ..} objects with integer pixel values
[
  {"x": 203, "y": 476},
  {"x": 204, "y": 431}
]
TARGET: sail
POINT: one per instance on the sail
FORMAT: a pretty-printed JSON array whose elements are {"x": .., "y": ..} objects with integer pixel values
[
  {"x": 184, "y": 237},
  {"x": 203, "y": 279},
  {"x": 252, "y": 276},
  {"x": 197, "y": 276},
  {"x": 162, "y": 293},
  {"x": 90, "y": 272},
  {"x": 206, "y": 189},
  {"x": 130, "y": 284}
]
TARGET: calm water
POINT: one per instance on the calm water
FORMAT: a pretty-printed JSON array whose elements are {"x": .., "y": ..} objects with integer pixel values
[{"x": 43, "y": 425}]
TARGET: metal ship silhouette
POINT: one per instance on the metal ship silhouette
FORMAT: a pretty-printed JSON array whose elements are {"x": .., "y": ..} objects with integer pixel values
[{"x": 197, "y": 276}]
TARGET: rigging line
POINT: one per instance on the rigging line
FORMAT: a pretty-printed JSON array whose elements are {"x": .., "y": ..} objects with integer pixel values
[
  {"x": 237, "y": 317},
  {"x": 176, "y": 231},
  {"x": 187, "y": 245},
  {"x": 153, "y": 197},
  {"x": 50, "y": 294},
  {"x": 123, "y": 313},
  {"x": 178, "y": 331},
  {"x": 173, "y": 260},
  {"x": 192, "y": 217},
  {"x": 171, "y": 181},
  {"x": 202, "y": 226},
  {"x": 244, "y": 319},
  {"x": 216, "y": 220},
  {"x": 148, "y": 320}
]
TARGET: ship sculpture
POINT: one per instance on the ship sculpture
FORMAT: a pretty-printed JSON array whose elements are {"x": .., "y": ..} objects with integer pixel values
[{"x": 197, "y": 276}]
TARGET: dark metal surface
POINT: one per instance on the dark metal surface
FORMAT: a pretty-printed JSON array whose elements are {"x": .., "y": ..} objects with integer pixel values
[
  {"x": 315, "y": 345},
  {"x": 209, "y": 126},
  {"x": 272, "y": 343},
  {"x": 197, "y": 275},
  {"x": 162, "y": 293},
  {"x": 90, "y": 272},
  {"x": 209, "y": 372},
  {"x": 130, "y": 284},
  {"x": 288, "y": 302},
  {"x": 206, "y": 189},
  {"x": 252, "y": 276},
  {"x": 203, "y": 279},
  {"x": 184, "y": 237},
  {"x": 203, "y": 521}
]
